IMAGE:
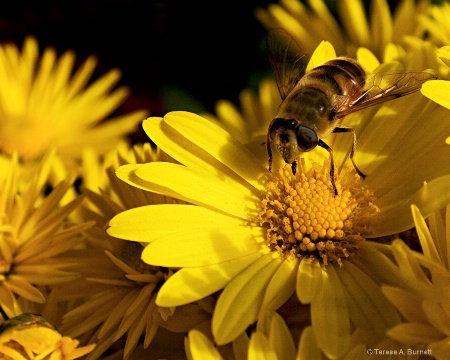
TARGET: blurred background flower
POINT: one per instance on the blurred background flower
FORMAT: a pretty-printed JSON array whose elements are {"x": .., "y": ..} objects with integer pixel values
[
  {"x": 115, "y": 296},
  {"x": 35, "y": 233},
  {"x": 350, "y": 24},
  {"x": 423, "y": 298},
  {"x": 353, "y": 27},
  {"x": 43, "y": 105}
]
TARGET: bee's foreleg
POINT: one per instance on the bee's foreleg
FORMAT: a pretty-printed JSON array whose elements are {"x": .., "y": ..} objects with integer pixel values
[
  {"x": 352, "y": 151},
  {"x": 294, "y": 167},
  {"x": 327, "y": 148}
]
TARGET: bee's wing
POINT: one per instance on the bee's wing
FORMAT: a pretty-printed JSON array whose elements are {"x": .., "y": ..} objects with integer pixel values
[
  {"x": 384, "y": 87},
  {"x": 285, "y": 57}
]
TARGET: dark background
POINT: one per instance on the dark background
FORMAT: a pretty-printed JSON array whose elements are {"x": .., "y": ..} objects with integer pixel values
[{"x": 207, "y": 49}]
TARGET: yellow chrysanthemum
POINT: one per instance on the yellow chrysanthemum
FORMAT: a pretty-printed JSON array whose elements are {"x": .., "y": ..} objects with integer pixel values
[
  {"x": 34, "y": 234},
  {"x": 423, "y": 298},
  {"x": 119, "y": 289},
  {"x": 28, "y": 336},
  {"x": 434, "y": 23},
  {"x": 44, "y": 105},
  {"x": 261, "y": 236},
  {"x": 312, "y": 23}
]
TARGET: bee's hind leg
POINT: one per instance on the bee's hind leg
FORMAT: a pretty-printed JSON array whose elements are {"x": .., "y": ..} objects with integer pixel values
[
  {"x": 352, "y": 151},
  {"x": 327, "y": 148}
]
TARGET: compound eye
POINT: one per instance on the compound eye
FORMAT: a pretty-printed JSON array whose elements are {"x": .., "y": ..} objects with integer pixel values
[{"x": 306, "y": 138}]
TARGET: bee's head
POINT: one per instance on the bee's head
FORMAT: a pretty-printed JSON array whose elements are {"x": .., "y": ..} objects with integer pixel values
[{"x": 290, "y": 138}]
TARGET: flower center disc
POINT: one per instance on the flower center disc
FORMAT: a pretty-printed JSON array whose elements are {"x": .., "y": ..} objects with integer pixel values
[{"x": 304, "y": 218}]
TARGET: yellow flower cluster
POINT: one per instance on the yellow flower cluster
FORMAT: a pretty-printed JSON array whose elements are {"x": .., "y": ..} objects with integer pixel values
[{"x": 190, "y": 247}]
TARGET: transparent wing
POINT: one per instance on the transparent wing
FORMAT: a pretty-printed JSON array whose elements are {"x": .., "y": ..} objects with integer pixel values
[
  {"x": 384, "y": 87},
  {"x": 285, "y": 57}
]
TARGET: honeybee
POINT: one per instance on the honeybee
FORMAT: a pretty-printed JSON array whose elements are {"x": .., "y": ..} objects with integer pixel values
[{"x": 314, "y": 105}]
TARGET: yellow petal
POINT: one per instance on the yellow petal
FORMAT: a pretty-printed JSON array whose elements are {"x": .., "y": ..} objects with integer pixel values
[
  {"x": 370, "y": 310},
  {"x": 438, "y": 91},
  {"x": 232, "y": 315},
  {"x": 309, "y": 281},
  {"x": 307, "y": 348},
  {"x": 281, "y": 338},
  {"x": 281, "y": 286},
  {"x": 232, "y": 120},
  {"x": 431, "y": 197},
  {"x": 23, "y": 288},
  {"x": 330, "y": 316},
  {"x": 323, "y": 53},
  {"x": 148, "y": 223},
  {"x": 241, "y": 347},
  {"x": 8, "y": 302},
  {"x": 260, "y": 348},
  {"x": 127, "y": 174},
  {"x": 178, "y": 147},
  {"x": 403, "y": 24},
  {"x": 409, "y": 268},
  {"x": 440, "y": 349},
  {"x": 381, "y": 24},
  {"x": 367, "y": 59},
  {"x": 444, "y": 54},
  {"x": 358, "y": 27},
  {"x": 200, "y": 347},
  {"x": 407, "y": 303},
  {"x": 191, "y": 284},
  {"x": 218, "y": 144},
  {"x": 434, "y": 310},
  {"x": 328, "y": 27},
  {"x": 196, "y": 187},
  {"x": 199, "y": 247},
  {"x": 382, "y": 267},
  {"x": 426, "y": 241},
  {"x": 414, "y": 333}
]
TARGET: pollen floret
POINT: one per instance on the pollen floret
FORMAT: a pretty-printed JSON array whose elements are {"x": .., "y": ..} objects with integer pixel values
[{"x": 305, "y": 219}]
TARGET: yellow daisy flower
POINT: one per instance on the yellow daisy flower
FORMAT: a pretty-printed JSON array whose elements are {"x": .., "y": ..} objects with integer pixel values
[
  {"x": 34, "y": 235},
  {"x": 261, "y": 236},
  {"x": 312, "y": 23},
  {"x": 117, "y": 293},
  {"x": 423, "y": 298},
  {"x": 44, "y": 105},
  {"x": 29, "y": 336},
  {"x": 221, "y": 244}
]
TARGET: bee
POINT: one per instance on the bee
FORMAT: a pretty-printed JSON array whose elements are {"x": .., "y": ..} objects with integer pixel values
[{"x": 314, "y": 105}]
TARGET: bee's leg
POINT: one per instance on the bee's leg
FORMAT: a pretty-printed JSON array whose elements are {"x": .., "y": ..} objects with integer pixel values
[
  {"x": 269, "y": 152},
  {"x": 352, "y": 151},
  {"x": 294, "y": 167},
  {"x": 327, "y": 148}
]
